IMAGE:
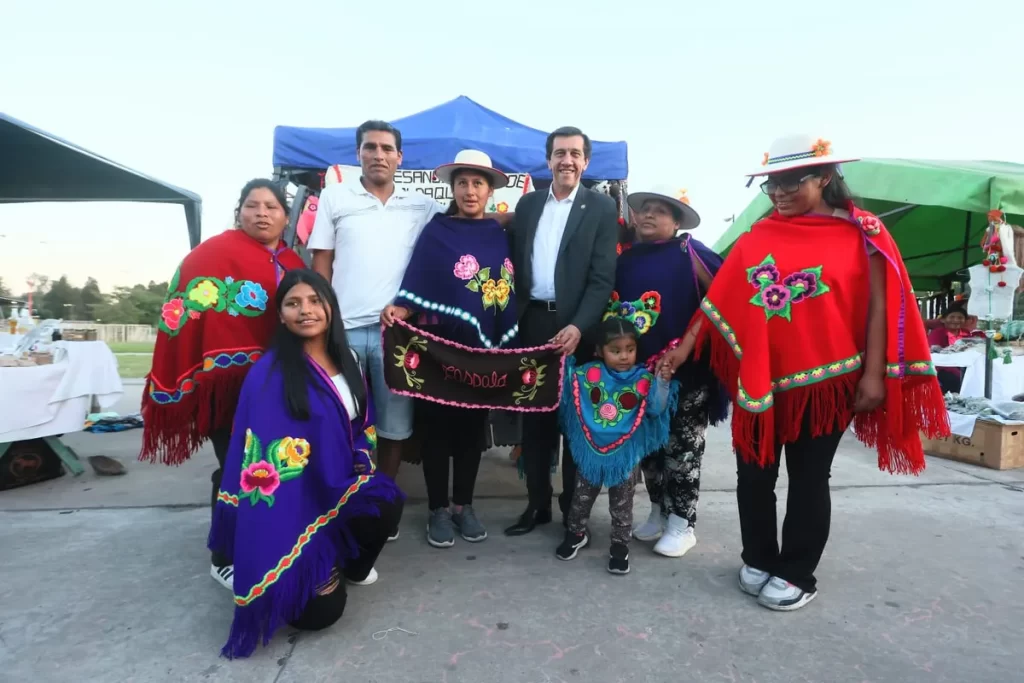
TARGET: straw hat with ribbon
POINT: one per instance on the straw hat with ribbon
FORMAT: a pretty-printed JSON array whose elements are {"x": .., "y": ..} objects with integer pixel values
[
  {"x": 798, "y": 151},
  {"x": 472, "y": 160},
  {"x": 674, "y": 197}
]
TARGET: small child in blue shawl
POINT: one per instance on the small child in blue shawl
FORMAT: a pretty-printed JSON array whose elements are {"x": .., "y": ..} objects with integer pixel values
[{"x": 614, "y": 412}]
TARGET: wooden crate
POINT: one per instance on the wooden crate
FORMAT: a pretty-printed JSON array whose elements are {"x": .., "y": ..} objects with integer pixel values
[
  {"x": 78, "y": 335},
  {"x": 993, "y": 445}
]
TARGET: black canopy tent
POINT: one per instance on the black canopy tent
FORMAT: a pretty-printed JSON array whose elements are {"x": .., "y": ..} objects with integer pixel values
[{"x": 36, "y": 166}]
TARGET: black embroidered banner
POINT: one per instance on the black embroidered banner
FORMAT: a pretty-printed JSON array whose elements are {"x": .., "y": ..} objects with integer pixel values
[{"x": 422, "y": 365}]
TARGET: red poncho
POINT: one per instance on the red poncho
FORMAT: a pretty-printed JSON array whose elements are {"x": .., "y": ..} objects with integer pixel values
[
  {"x": 215, "y": 323},
  {"x": 789, "y": 312}
]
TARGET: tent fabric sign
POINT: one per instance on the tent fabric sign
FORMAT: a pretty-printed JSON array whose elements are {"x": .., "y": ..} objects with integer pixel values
[
  {"x": 424, "y": 181},
  {"x": 425, "y": 366}
]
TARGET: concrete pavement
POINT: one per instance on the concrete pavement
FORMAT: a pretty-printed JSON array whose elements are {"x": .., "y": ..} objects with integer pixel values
[{"x": 106, "y": 579}]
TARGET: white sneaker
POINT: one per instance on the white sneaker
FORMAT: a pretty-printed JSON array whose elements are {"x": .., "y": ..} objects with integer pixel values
[
  {"x": 370, "y": 579},
  {"x": 677, "y": 539},
  {"x": 653, "y": 528},
  {"x": 225, "y": 576},
  {"x": 752, "y": 580},
  {"x": 393, "y": 537},
  {"x": 782, "y": 596}
]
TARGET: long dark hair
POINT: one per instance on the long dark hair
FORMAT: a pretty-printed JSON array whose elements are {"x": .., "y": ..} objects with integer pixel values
[
  {"x": 453, "y": 208},
  {"x": 259, "y": 184},
  {"x": 837, "y": 193},
  {"x": 290, "y": 356}
]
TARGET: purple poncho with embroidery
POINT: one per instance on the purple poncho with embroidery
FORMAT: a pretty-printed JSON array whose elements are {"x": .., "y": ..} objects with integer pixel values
[
  {"x": 289, "y": 491},
  {"x": 461, "y": 280},
  {"x": 657, "y": 289}
]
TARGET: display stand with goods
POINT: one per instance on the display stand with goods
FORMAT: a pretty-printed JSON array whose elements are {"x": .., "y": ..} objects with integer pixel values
[
  {"x": 994, "y": 284},
  {"x": 993, "y": 443}
]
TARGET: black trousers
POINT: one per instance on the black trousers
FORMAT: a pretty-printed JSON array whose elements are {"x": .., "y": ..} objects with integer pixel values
[
  {"x": 452, "y": 433},
  {"x": 808, "y": 508},
  {"x": 541, "y": 433},
  {"x": 220, "y": 439},
  {"x": 371, "y": 533}
]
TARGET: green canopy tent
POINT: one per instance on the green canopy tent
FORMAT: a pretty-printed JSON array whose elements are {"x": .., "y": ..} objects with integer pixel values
[{"x": 935, "y": 210}]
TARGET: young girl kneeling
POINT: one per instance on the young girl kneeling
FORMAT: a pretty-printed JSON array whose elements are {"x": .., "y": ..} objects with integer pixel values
[{"x": 614, "y": 412}]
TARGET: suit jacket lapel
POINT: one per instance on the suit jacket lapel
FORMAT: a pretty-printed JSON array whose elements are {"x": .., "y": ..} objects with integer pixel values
[{"x": 575, "y": 216}]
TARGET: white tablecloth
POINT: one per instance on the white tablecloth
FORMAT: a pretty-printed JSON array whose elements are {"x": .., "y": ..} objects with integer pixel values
[
  {"x": 1007, "y": 380},
  {"x": 7, "y": 340},
  {"x": 47, "y": 400}
]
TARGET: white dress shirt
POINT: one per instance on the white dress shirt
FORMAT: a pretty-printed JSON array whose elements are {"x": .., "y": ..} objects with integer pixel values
[
  {"x": 546, "y": 243},
  {"x": 372, "y": 243}
]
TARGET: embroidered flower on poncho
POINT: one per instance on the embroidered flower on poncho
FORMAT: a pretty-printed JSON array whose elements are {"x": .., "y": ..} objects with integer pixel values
[
  {"x": 172, "y": 312},
  {"x": 803, "y": 285},
  {"x": 261, "y": 477},
  {"x": 777, "y": 298},
  {"x": 205, "y": 294},
  {"x": 293, "y": 452},
  {"x": 762, "y": 275},
  {"x": 467, "y": 267},
  {"x": 252, "y": 295}
]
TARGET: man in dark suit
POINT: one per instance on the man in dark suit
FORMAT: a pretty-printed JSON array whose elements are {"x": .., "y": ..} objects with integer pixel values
[{"x": 563, "y": 248}]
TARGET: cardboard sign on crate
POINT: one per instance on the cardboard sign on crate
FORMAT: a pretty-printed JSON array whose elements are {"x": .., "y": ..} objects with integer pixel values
[{"x": 993, "y": 445}]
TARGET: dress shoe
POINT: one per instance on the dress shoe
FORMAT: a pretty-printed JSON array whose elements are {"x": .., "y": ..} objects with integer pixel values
[{"x": 528, "y": 521}]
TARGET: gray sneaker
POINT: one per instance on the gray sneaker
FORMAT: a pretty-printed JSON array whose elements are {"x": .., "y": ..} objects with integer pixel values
[
  {"x": 440, "y": 532},
  {"x": 468, "y": 525}
]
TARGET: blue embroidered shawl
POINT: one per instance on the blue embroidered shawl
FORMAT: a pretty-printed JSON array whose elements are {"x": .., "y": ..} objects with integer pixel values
[
  {"x": 461, "y": 279},
  {"x": 657, "y": 289},
  {"x": 612, "y": 420},
  {"x": 289, "y": 492}
]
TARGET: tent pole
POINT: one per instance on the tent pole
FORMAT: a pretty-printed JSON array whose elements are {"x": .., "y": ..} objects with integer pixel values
[
  {"x": 967, "y": 237},
  {"x": 989, "y": 334}
]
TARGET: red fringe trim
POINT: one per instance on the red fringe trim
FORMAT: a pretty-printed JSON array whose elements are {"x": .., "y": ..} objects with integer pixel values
[
  {"x": 913, "y": 405},
  {"x": 823, "y": 408},
  {"x": 173, "y": 432}
]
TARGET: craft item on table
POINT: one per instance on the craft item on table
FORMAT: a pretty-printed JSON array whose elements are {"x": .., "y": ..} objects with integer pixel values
[
  {"x": 101, "y": 423},
  {"x": 995, "y": 280},
  {"x": 984, "y": 407}
]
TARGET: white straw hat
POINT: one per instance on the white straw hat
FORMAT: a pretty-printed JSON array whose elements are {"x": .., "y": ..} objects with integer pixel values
[
  {"x": 673, "y": 197},
  {"x": 798, "y": 151},
  {"x": 474, "y": 160}
]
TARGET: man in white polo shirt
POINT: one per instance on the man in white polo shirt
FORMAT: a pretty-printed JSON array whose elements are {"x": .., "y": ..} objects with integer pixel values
[{"x": 362, "y": 241}]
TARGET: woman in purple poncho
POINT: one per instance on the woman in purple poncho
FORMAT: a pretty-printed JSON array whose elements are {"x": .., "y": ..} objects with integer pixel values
[
  {"x": 460, "y": 283},
  {"x": 300, "y": 509}
]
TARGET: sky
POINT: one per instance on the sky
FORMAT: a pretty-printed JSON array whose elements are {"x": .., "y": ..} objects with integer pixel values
[{"x": 698, "y": 90}]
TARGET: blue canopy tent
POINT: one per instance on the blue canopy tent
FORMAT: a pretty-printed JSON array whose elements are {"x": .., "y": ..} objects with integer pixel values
[
  {"x": 433, "y": 137},
  {"x": 36, "y": 166}
]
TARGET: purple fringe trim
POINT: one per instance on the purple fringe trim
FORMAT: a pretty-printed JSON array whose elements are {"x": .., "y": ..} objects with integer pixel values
[{"x": 284, "y": 600}]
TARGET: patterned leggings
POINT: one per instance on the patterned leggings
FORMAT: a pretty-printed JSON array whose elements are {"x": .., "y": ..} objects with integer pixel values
[
  {"x": 620, "y": 505},
  {"x": 672, "y": 475}
]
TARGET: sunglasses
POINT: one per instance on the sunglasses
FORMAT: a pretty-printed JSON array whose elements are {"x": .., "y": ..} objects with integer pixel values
[{"x": 787, "y": 185}]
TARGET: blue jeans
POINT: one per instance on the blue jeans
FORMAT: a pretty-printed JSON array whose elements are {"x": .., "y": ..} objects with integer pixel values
[{"x": 394, "y": 412}]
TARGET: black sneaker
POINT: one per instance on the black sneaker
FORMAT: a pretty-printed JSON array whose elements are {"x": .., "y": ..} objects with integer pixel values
[
  {"x": 618, "y": 559},
  {"x": 572, "y": 544}
]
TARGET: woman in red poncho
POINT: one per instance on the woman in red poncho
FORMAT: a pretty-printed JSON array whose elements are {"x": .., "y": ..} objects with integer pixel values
[
  {"x": 812, "y": 324},
  {"x": 216, "y": 321}
]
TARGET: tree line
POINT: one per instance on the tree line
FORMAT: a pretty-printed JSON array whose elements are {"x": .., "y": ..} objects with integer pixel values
[{"x": 135, "y": 305}]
